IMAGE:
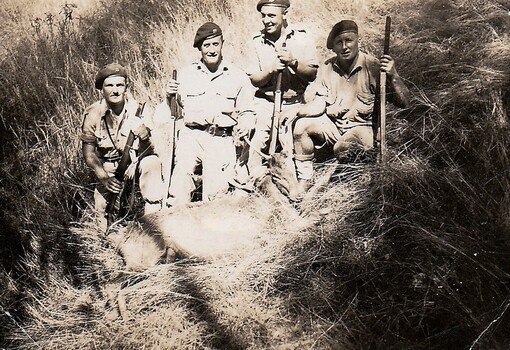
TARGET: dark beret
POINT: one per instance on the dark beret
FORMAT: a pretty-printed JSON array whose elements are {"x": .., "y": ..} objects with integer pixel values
[
  {"x": 281, "y": 3},
  {"x": 207, "y": 30},
  {"x": 108, "y": 70},
  {"x": 341, "y": 27}
]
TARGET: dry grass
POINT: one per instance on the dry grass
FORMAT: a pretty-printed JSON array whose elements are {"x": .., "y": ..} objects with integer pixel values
[{"x": 412, "y": 254}]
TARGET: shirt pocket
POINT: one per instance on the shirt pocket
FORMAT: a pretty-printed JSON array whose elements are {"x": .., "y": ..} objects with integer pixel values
[
  {"x": 226, "y": 97},
  {"x": 102, "y": 138},
  {"x": 195, "y": 101},
  {"x": 365, "y": 103}
]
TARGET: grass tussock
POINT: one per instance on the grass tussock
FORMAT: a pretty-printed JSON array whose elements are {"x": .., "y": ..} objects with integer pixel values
[{"x": 409, "y": 254}]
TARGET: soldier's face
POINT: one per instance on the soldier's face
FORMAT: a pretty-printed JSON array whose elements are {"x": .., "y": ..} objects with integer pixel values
[
  {"x": 114, "y": 89},
  {"x": 273, "y": 18},
  {"x": 211, "y": 51},
  {"x": 346, "y": 46}
]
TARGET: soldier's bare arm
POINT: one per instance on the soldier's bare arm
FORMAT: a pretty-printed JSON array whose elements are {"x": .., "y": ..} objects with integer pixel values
[
  {"x": 399, "y": 93},
  {"x": 92, "y": 161}
]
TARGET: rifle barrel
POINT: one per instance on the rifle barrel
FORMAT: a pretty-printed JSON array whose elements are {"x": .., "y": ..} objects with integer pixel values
[
  {"x": 387, "y": 30},
  {"x": 382, "y": 93},
  {"x": 120, "y": 171},
  {"x": 276, "y": 113},
  {"x": 172, "y": 104}
]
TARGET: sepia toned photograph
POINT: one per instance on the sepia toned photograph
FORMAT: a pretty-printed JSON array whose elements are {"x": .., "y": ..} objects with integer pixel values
[{"x": 255, "y": 174}]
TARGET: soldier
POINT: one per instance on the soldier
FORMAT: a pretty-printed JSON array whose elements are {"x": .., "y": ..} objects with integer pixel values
[
  {"x": 106, "y": 126},
  {"x": 340, "y": 115},
  {"x": 278, "y": 47},
  {"x": 216, "y": 99}
]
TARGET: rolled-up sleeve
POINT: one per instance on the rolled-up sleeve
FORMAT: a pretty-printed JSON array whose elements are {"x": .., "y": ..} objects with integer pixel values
[
  {"x": 88, "y": 129},
  {"x": 244, "y": 102}
]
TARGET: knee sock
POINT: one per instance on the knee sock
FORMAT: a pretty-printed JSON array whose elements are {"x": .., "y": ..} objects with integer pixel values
[{"x": 304, "y": 166}]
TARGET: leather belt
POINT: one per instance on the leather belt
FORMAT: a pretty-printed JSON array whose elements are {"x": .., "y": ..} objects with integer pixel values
[{"x": 213, "y": 129}]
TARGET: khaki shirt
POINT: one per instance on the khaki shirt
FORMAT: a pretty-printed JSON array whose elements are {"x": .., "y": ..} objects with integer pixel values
[
  {"x": 220, "y": 98},
  {"x": 353, "y": 91},
  {"x": 300, "y": 45},
  {"x": 108, "y": 132}
]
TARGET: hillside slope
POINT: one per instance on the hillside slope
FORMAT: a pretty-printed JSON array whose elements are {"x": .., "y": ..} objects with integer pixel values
[{"x": 411, "y": 254}]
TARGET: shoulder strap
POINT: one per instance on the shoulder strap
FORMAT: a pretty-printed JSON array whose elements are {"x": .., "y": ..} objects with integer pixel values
[{"x": 138, "y": 112}]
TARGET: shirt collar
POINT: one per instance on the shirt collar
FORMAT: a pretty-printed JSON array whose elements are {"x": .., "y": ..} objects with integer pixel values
[
  {"x": 357, "y": 67},
  {"x": 223, "y": 67},
  {"x": 129, "y": 104},
  {"x": 287, "y": 32}
]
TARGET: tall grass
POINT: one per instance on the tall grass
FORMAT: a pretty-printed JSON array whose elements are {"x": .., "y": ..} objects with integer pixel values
[{"x": 412, "y": 254}]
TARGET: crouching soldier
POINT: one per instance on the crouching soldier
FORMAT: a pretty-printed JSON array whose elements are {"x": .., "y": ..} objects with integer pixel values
[
  {"x": 340, "y": 113},
  {"x": 106, "y": 126},
  {"x": 216, "y": 100},
  {"x": 278, "y": 49}
]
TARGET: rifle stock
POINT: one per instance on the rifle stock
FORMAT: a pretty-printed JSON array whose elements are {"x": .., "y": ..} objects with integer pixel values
[
  {"x": 172, "y": 104},
  {"x": 382, "y": 96},
  {"x": 277, "y": 108}
]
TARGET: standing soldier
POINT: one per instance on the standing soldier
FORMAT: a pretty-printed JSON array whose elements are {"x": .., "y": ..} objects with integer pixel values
[
  {"x": 106, "y": 126},
  {"x": 216, "y": 99},
  {"x": 278, "y": 47},
  {"x": 340, "y": 115}
]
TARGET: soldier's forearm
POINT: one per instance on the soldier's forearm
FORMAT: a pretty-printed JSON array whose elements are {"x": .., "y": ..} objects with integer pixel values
[
  {"x": 400, "y": 95},
  {"x": 306, "y": 71},
  {"x": 260, "y": 78},
  {"x": 97, "y": 167},
  {"x": 314, "y": 108},
  {"x": 93, "y": 161}
]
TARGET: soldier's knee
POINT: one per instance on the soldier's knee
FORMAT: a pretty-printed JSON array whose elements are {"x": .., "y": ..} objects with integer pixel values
[
  {"x": 300, "y": 129},
  {"x": 150, "y": 164}
]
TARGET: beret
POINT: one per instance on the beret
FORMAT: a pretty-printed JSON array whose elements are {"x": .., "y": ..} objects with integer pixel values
[
  {"x": 108, "y": 70},
  {"x": 281, "y": 3},
  {"x": 343, "y": 26},
  {"x": 206, "y": 31}
]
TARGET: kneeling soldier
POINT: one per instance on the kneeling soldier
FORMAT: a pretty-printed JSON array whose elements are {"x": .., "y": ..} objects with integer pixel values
[
  {"x": 216, "y": 101},
  {"x": 106, "y": 126},
  {"x": 340, "y": 114}
]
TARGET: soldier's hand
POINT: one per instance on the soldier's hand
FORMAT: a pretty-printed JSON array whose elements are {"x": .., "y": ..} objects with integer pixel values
[
  {"x": 243, "y": 129},
  {"x": 288, "y": 116},
  {"x": 112, "y": 184},
  {"x": 332, "y": 135},
  {"x": 140, "y": 130},
  {"x": 171, "y": 87},
  {"x": 336, "y": 110},
  {"x": 277, "y": 67},
  {"x": 286, "y": 58},
  {"x": 388, "y": 65},
  {"x": 351, "y": 114}
]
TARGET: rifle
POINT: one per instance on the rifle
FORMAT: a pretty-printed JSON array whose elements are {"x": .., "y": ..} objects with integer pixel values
[
  {"x": 277, "y": 108},
  {"x": 381, "y": 135},
  {"x": 124, "y": 162},
  {"x": 172, "y": 103},
  {"x": 119, "y": 175}
]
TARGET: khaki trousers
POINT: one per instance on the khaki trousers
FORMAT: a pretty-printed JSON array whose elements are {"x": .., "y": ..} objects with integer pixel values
[
  {"x": 260, "y": 140},
  {"x": 217, "y": 155},
  {"x": 149, "y": 179}
]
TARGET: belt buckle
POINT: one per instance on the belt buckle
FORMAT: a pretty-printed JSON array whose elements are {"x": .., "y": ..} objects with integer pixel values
[{"x": 212, "y": 129}]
